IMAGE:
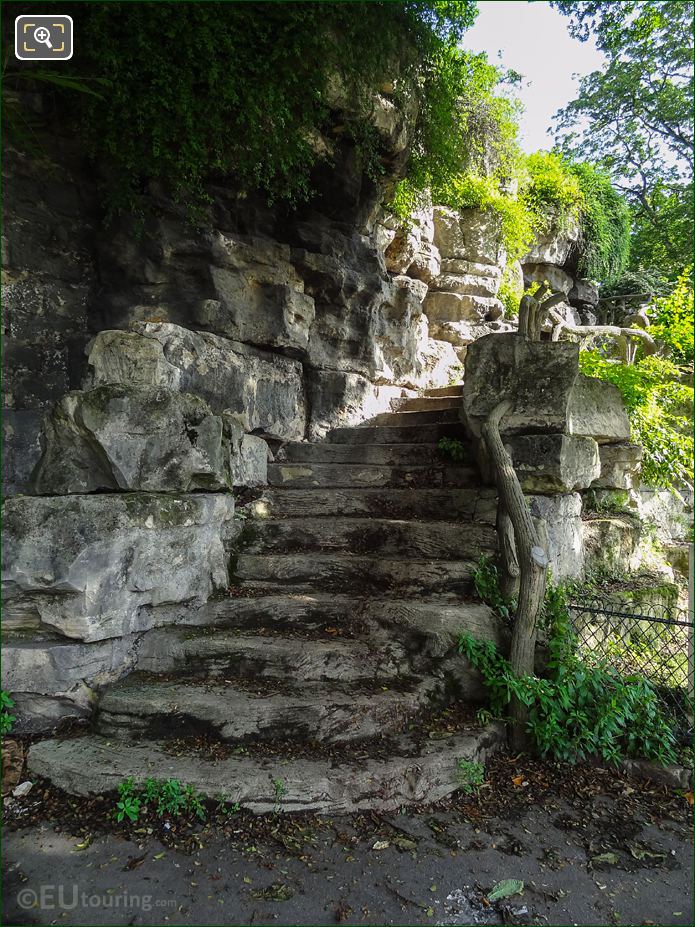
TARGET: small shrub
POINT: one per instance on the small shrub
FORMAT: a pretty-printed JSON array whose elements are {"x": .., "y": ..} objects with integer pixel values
[
  {"x": 470, "y": 776},
  {"x": 486, "y": 581},
  {"x": 7, "y": 719},
  {"x": 582, "y": 707},
  {"x": 510, "y": 293},
  {"x": 452, "y": 448}
]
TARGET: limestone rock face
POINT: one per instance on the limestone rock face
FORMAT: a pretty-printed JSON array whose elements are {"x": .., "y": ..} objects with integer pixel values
[
  {"x": 596, "y": 409},
  {"x": 554, "y": 463},
  {"x": 471, "y": 235},
  {"x": 260, "y": 296},
  {"x": 136, "y": 439},
  {"x": 584, "y": 294},
  {"x": 263, "y": 392},
  {"x": 457, "y": 307},
  {"x": 85, "y": 566},
  {"x": 356, "y": 396},
  {"x": 558, "y": 280},
  {"x": 562, "y": 517},
  {"x": 553, "y": 246},
  {"x": 620, "y": 466}
]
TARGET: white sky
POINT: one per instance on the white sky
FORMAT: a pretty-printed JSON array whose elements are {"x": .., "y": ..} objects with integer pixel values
[{"x": 533, "y": 40}]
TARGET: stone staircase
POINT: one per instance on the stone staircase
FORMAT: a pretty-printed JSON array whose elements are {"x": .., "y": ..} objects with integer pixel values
[{"x": 326, "y": 679}]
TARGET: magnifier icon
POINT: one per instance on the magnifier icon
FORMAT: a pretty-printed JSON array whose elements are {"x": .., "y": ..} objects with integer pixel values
[{"x": 43, "y": 35}]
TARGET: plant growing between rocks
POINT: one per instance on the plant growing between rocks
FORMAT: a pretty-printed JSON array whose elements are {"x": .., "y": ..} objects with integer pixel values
[
  {"x": 163, "y": 797},
  {"x": 7, "y": 719},
  {"x": 470, "y": 776}
]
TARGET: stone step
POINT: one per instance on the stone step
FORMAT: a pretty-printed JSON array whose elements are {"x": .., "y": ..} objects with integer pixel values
[
  {"x": 472, "y": 503},
  {"x": 427, "y": 403},
  {"x": 404, "y": 455},
  {"x": 359, "y": 574},
  {"x": 215, "y": 651},
  {"x": 379, "y": 536},
  {"x": 305, "y": 475},
  {"x": 455, "y": 389},
  {"x": 406, "y": 433},
  {"x": 405, "y": 419},
  {"x": 238, "y": 709},
  {"x": 414, "y": 773}
]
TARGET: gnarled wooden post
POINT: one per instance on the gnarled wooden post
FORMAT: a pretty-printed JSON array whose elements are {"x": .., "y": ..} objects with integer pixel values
[{"x": 532, "y": 562}]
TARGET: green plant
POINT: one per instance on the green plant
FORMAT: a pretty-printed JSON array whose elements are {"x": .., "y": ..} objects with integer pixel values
[
  {"x": 486, "y": 581},
  {"x": 660, "y": 408},
  {"x": 672, "y": 319},
  {"x": 470, "y": 776},
  {"x": 581, "y": 707},
  {"x": 510, "y": 291},
  {"x": 225, "y": 806},
  {"x": 607, "y": 502},
  {"x": 280, "y": 789},
  {"x": 7, "y": 719},
  {"x": 163, "y": 796},
  {"x": 128, "y": 804},
  {"x": 453, "y": 449}
]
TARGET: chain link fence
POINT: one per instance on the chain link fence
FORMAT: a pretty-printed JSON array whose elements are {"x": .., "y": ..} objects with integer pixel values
[{"x": 656, "y": 643}]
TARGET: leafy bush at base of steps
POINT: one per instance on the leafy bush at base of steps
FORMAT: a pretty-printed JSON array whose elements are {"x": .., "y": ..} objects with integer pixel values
[{"x": 582, "y": 707}]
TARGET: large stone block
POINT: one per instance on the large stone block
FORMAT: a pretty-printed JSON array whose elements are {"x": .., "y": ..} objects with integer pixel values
[
  {"x": 596, "y": 409},
  {"x": 260, "y": 297},
  {"x": 549, "y": 394},
  {"x": 554, "y": 463},
  {"x": 264, "y": 391},
  {"x": 456, "y": 307},
  {"x": 620, "y": 466},
  {"x": 557, "y": 279},
  {"x": 426, "y": 262},
  {"x": 135, "y": 439},
  {"x": 86, "y": 566},
  {"x": 470, "y": 235},
  {"x": 584, "y": 294},
  {"x": 538, "y": 376},
  {"x": 472, "y": 284},
  {"x": 553, "y": 246},
  {"x": 54, "y": 679},
  {"x": 563, "y": 525}
]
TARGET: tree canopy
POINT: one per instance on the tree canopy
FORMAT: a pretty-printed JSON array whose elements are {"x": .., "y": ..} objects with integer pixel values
[{"x": 635, "y": 118}]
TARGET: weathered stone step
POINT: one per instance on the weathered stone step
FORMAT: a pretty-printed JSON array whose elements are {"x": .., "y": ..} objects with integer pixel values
[
  {"x": 427, "y": 403},
  {"x": 403, "y": 455},
  {"x": 374, "y": 535},
  {"x": 473, "y": 503},
  {"x": 455, "y": 389},
  {"x": 414, "y": 774},
  {"x": 222, "y": 652},
  {"x": 404, "y": 419},
  {"x": 339, "y": 475},
  {"x": 360, "y": 574},
  {"x": 405, "y": 433},
  {"x": 234, "y": 711}
]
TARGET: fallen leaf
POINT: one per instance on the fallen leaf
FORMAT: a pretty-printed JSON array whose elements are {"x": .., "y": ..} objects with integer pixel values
[
  {"x": 381, "y": 845},
  {"x": 134, "y": 862},
  {"x": 610, "y": 858},
  {"x": 159, "y": 856},
  {"x": 688, "y": 796},
  {"x": 640, "y": 852},
  {"x": 403, "y": 843},
  {"x": 517, "y": 780},
  {"x": 505, "y": 889}
]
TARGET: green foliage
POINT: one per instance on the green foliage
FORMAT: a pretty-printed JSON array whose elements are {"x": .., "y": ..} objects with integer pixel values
[
  {"x": 660, "y": 409},
  {"x": 486, "y": 581},
  {"x": 673, "y": 319},
  {"x": 7, "y": 719},
  {"x": 510, "y": 292},
  {"x": 604, "y": 225},
  {"x": 252, "y": 91},
  {"x": 606, "y": 502},
  {"x": 550, "y": 189},
  {"x": 470, "y": 776},
  {"x": 634, "y": 118},
  {"x": 581, "y": 708},
  {"x": 453, "y": 449},
  {"x": 164, "y": 797}
]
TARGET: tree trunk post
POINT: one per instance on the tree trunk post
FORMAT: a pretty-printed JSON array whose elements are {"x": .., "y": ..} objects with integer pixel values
[{"x": 532, "y": 563}]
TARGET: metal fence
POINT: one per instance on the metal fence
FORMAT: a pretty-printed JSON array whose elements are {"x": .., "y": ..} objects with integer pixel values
[{"x": 656, "y": 643}]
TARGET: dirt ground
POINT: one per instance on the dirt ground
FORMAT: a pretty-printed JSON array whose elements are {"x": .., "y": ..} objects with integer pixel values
[{"x": 590, "y": 846}]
